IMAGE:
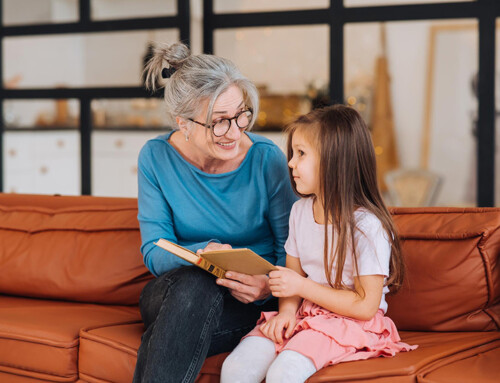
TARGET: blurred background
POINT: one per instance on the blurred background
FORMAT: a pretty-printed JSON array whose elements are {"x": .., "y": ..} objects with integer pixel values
[{"x": 423, "y": 74}]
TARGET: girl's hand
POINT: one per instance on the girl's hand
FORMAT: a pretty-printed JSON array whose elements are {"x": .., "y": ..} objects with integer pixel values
[
  {"x": 274, "y": 328},
  {"x": 246, "y": 288},
  {"x": 285, "y": 282}
]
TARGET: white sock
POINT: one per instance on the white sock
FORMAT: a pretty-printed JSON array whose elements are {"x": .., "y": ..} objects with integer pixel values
[
  {"x": 249, "y": 361},
  {"x": 290, "y": 367}
]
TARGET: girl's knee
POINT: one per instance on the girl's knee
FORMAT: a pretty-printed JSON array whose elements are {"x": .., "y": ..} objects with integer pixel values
[
  {"x": 232, "y": 369},
  {"x": 290, "y": 367}
]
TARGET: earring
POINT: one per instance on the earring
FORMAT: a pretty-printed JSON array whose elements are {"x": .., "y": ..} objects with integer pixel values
[{"x": 187, "y": 137}]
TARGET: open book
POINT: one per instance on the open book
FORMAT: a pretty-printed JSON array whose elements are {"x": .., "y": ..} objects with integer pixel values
[{"x": 218, "y": 262}]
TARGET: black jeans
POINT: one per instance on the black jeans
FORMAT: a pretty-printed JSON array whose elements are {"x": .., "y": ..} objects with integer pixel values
[{"x": 188, "y": 317}]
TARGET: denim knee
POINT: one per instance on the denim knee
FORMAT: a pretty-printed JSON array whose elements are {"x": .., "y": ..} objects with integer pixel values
[{"x": 186, "y": 286}]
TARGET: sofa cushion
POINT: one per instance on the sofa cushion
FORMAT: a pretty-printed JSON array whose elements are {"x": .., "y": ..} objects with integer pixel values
[
  {"x": 39, "y": 338},
  {"x": 405, "y": 366},
  {"x": 84, "y": 249},
  {"x": 117, "y": 346},
  {"x": 480, "y": 366},
  {"x": 453, "y": 269}
]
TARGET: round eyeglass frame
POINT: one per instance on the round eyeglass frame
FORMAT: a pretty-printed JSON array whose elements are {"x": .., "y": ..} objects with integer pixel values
[{"x": 229, "y": 120}]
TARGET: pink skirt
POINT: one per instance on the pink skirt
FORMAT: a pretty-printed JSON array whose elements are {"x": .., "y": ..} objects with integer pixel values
[{"x": 327, "y": 338}]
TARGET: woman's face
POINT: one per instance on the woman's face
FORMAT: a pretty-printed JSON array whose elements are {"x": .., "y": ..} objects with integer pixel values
[{"x": 228, "y": 146}]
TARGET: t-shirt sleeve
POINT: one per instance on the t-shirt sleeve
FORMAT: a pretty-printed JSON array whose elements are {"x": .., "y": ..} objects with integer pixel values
[
  {"x": 372, "y": 246},
  {"x": 291, "y": 242},
  {"x": 155, "y": 219}
]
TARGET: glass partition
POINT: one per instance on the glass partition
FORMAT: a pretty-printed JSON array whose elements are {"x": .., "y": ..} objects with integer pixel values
[
  {"x": 22, "y": 114},
  {"x": 230, "y": 6},
  {"x": 371, "y": 3},
  {"x": 131, "y": 9},
  {"x": 22, "y": 12},
  {"x": 142, "y": 113},
  {"x": 413, "y": 82},
  {"x": 80, "y": 60},
  {"x": 289, "y": 65}
]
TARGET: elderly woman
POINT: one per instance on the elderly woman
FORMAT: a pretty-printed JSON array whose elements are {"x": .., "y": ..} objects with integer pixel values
[{"x": 209, "y": 184}]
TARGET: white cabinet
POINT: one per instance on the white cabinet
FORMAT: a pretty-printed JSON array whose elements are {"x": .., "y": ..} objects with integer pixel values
[
  {"x": 42, "y": 162},
  {"x": 114, "y": 162}
]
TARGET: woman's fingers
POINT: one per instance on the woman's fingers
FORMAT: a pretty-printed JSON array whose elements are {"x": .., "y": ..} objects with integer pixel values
[{"x": 248, "y": 287}]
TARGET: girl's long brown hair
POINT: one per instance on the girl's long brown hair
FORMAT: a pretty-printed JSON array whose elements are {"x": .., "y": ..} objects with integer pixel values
[{"x": 348, "y": 181}]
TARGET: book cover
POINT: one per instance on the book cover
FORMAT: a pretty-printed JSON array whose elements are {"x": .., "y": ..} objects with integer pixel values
[{"x": 217, "y": 262}]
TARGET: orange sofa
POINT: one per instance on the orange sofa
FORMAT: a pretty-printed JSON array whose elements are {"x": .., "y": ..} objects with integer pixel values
[{"x": 71, "y": 274}]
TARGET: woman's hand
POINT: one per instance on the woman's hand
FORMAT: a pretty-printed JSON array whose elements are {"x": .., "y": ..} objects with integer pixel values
[
  {"x": 214, "y": 246},
  {"x": 246, "y": 288},
  {"x": 285, "y": 282},
  {"x": 275, "y": 326}
]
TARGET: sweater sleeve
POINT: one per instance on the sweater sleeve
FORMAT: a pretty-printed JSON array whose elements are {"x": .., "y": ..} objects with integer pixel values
[
  {"x": 281, "y": 199},
  {"x": 155, "y": 219}
]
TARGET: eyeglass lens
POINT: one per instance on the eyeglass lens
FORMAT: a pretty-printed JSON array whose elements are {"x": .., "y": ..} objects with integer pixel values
[{"x": 221, "y": 127}]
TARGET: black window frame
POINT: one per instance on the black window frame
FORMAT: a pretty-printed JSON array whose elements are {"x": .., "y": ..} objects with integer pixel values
[
  {"x": 85, "y": 24},
  {"x": 336, "y": 16}
]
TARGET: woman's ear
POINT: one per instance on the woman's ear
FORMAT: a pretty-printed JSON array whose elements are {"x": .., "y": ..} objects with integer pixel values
[
  {"x": 181, "y": 122},
  {"x": 183, "y": 125}
]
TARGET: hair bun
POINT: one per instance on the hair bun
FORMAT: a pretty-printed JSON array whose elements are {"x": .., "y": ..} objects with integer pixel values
[{"x": 174, "y": 54}]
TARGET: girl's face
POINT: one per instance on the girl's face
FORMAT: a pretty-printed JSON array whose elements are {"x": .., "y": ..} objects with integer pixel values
[
  {"x": 226, "y": 147},
  {"x": 304, "y": 165}
]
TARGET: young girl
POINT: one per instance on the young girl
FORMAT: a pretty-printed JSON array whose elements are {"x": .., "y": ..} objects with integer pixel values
[{"x": 343, "y": 254}]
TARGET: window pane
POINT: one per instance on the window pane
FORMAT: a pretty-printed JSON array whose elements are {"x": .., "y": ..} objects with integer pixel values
[
  {"x": 371, "y": 3},
  {"x": 128, "y": 9},
  {"x": 81, "y": 60},
  {"x": 41, "y": 114},
  {"x": 16, "y": 12},
  {"x": 289, "y": 65},
  {"x": 230, "y": 6},
  {"x": 129, "y": 113},
  {"x": 42, "y": 162},
  {"x": 420, "y": 105}
]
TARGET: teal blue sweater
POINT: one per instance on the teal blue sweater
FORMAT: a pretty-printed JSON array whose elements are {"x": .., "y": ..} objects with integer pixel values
[{"x": 247, "y": 207}]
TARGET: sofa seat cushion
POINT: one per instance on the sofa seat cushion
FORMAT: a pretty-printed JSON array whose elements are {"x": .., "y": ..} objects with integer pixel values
[
  {"x": 39, "y": 338},
  {"x": 405, "y": 366},
  {"x": 117, "y": 346},
  {"x": 109, "y": 354},
  {"x": 480, "y": 366}
]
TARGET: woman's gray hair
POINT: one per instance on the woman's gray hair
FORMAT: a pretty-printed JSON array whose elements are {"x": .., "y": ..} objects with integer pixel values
[{"x": 197, "y": 78}]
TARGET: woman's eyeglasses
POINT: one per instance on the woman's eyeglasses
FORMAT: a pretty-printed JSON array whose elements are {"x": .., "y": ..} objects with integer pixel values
[{"x": 222, "y": 126}]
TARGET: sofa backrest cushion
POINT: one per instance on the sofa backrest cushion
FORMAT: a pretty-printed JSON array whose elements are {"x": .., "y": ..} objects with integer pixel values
[
  {"x": 71, "y": 248},
  {"x": 452, "y": 260}
]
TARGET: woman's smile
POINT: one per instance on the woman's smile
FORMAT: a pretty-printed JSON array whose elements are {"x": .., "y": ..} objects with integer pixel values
[{"x": 226, "y": 145}]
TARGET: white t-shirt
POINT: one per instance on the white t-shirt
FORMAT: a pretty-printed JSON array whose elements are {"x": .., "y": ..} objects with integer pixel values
[{"x": 306, "y": 242}]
